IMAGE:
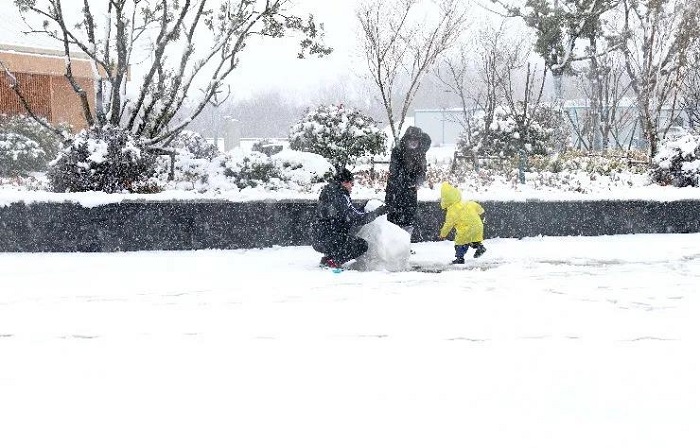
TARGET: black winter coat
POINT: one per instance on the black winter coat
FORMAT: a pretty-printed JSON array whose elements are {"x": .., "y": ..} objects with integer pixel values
[
  {"x": 407, "y": 169},
  {"x": 335, "y": 216}
]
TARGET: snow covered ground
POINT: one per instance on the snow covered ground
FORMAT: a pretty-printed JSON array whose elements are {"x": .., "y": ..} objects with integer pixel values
[{"x": 543, "y": 342}]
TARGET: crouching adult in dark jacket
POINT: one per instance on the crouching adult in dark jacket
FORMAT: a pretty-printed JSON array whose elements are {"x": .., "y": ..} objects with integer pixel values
[
  {"x": 332, "y": 230},
  {"x": 407, "y": 169}
]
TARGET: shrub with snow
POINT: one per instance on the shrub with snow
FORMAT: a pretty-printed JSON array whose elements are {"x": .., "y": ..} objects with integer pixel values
[
  {"x": 237, "y": 170},
  {"x": 338, "y": 133},
  {"x": 25, "y": 145},
  {"x": 190, "y": 164},
  {"x": 105, "y": 159},
  {"x": 250, "y": 170},
  {"x": 510, "y": 132},
  {"x": 190, "y": 142},
  {"x": 19, "y": 155},
  {"x": 678, "y": 162},
  {"x": 286, "y": 169}
]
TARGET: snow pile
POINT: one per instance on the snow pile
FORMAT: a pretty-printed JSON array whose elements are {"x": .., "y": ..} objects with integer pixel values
[{"x": 389, "y": 245}]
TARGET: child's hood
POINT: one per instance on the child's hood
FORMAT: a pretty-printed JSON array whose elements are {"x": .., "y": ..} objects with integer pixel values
[{"x": 449, "y": 195}]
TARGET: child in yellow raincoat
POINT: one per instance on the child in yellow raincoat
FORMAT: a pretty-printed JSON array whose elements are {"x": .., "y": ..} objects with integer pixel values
[{"x": 465, "y": 218}]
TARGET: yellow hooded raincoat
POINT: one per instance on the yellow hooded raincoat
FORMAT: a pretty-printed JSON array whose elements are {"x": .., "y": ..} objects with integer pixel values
[{"x": 462, "y": 216}]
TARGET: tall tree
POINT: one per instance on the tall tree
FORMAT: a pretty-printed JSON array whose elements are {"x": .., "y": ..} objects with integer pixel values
[
  {"x": 657, "y": 36},
  {"x": 402, "y": 42},
  {"x": 187, "y": 49},
  {"x": 690, "y": 100},
  {"x": 559, "y": 25},
  {"x": 609, "y": 115},
  {"x": 475, "y": 77}
]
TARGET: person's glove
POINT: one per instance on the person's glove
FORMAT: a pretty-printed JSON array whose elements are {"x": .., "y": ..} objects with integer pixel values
[{"x": 381, "y": 210}]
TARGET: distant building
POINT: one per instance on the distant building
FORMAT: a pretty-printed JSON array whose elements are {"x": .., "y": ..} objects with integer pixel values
[
  {"x": 629, "y": 132},
  {"x": 40, "y": 73},
  {"x": 445, "y": 125},
  {"x": 442, "y": 125}
]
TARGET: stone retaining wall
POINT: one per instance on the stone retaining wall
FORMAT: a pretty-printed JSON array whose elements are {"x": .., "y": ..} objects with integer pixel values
[{"x": 188, "y": 225}]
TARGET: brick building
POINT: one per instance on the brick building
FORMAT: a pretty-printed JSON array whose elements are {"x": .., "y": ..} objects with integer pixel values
[{"x": 40, "y": 73}]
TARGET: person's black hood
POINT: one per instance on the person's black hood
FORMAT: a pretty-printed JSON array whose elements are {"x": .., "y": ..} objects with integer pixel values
[{"x": 416, "y": 133}]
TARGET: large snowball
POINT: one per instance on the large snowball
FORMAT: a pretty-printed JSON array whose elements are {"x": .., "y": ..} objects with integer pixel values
[{"x": 389, "y": 245}]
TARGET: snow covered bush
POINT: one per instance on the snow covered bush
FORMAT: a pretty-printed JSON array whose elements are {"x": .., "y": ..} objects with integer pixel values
[
  {"x": 302, "y": 168},
  {"x": 250, "y": 170},
  {"x": 267, "y": 146},
  {"x": 286, "y": 169},
  {"x": 19, "y": 155},
  {"x": 678, "y": 162},
  {"x": 338, "y": 133},
  {"x": 105, "y": 159},
  {"x": 190, "y": 142},
  {"x": 190, "y": 165},
  {"x": 511, "y": 131},
  {"x": 25, "y": 145},
  {"x": 238, "y": 170},
  {"x": 612, "y": 161}
]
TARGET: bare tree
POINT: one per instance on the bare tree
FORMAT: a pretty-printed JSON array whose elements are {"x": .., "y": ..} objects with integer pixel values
[
  {"x": 402, "y": 41},
  {"x": 454, "y": 75},
  {"x": 480, "y": 88},
  {"x": 656, "y": 38},
  {"x": 187, "y": 47},
  {"x": 606, "y": 86},
  {"x": 690, "y": 99}
]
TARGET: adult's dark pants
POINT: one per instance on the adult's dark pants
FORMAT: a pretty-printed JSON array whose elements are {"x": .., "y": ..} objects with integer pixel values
[
  {"x": 403, "y": 206},
  {"x": 341, "y": 248}
]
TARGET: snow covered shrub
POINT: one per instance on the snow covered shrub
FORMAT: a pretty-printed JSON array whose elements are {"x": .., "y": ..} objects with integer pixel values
[
  {"x": 678, "y": 162},
  {"x": 188, "y": 172},
  {"x": 302, "y": 168},
  {"x": 105, "y": 159},
  {"x": 612, "y": 161},
  {"x": 19, "y": 155},
  {"x": 338, "y": 133},
  {"x": 190, "y": 142},
  {"x": 191, "y": 166},
  {"x": 250, "y": 170},
  {"x": 287, "y": 169},
  {"x": 267, "y": 146},
  {"x": 511, "y": 131},
  {"x": 25, "y": 145}
]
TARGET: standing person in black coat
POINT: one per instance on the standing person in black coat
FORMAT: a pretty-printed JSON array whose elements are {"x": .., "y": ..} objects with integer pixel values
[
  {"x": 331, "y": 231},
  {"x": 406, "y": 173}
]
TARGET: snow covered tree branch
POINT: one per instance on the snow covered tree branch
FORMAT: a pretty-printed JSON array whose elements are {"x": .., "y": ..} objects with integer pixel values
[{"x": 184, "y": 49}]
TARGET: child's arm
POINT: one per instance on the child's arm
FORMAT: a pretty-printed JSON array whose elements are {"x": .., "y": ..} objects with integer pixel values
[{"x": 449, "y": 224}]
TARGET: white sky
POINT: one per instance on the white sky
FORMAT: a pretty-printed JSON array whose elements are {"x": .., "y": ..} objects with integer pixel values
[
  {"x": 573, "y": 342},
  {"x": 273, "y": 65},
  {"x": 276, "y": 64}
]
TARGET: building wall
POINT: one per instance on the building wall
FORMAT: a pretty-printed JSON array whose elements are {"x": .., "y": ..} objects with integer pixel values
[
  {"x": 442, "y": 125},
  {"x": 35, "y": 88},
  {"x": 41, "y": 79}
]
